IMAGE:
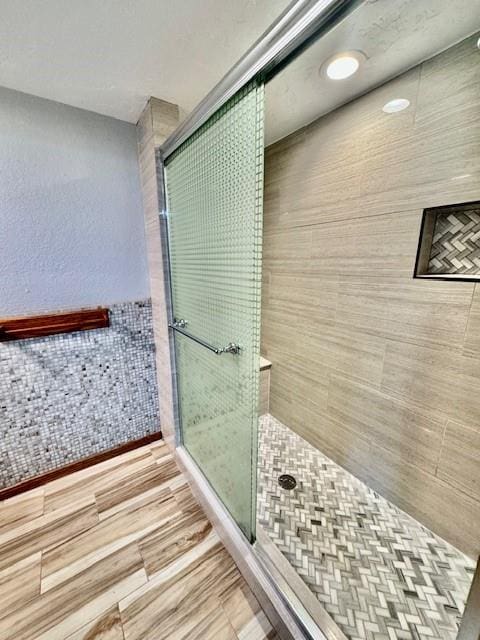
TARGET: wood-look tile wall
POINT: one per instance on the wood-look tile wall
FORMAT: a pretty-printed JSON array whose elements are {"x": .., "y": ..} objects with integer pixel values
[{"x": 378, "y": 370}]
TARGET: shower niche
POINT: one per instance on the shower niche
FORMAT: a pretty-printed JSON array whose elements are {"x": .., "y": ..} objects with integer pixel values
[{"x": 449, "y": 246}]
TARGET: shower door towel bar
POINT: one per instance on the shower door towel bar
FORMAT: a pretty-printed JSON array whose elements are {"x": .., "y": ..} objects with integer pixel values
[{"x": 179, "y": 326}]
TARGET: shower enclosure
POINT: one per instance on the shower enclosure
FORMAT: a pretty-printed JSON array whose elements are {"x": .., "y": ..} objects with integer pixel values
[{"x": 364, "y": 540}]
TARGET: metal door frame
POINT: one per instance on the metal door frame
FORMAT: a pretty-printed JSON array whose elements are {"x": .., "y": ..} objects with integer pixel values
[{"x": 300, "y": 23}]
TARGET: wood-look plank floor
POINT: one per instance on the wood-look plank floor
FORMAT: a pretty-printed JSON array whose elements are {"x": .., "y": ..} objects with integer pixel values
[{"x": 120, "y": 551}]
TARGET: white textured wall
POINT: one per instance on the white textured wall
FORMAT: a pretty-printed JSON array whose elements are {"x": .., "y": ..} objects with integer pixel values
[{"x": 71, "y": 219}]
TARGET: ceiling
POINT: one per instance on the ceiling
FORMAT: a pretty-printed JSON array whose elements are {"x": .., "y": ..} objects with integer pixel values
[
  {"x": 394, "y": 35},
  {"x": 109, "y": 56}
]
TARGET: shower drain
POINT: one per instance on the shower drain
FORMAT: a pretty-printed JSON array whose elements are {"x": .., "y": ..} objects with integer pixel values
[{"x": 287, "y": 481}]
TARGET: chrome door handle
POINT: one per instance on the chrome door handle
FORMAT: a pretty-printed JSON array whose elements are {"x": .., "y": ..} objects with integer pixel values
[{"x": 231, "y": 347}]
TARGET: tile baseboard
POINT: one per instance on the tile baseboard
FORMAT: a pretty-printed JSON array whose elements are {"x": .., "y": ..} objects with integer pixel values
[{"x": 78, "y": 465}]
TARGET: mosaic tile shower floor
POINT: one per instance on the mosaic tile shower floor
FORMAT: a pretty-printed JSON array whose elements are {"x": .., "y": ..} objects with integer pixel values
[{"x": 379, "y": 573}]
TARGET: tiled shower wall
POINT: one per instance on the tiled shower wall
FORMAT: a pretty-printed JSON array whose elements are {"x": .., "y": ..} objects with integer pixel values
[
  {"x": 378, "y": 370},
  {"x": 69, "y": 396}
]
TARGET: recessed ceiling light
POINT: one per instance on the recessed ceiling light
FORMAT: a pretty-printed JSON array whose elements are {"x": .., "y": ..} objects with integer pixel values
[
  {"x": 478, "y": 43},
  {"x": 343, "y": 66},
  {"x": 398, "y": 104}
]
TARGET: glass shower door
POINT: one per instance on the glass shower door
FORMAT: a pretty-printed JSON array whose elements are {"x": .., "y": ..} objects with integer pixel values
[{"x": 214, "y": 185}]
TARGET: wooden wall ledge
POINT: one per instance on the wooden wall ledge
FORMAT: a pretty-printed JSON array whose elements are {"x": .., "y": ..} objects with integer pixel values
[{"x": 46, "y": 325}]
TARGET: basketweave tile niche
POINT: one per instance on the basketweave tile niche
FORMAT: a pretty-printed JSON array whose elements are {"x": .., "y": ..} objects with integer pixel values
[{"x": 449, "y": 245}]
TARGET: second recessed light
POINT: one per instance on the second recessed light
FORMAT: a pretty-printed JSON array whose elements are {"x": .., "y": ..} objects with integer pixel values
[{"x": 396, "y": 105}]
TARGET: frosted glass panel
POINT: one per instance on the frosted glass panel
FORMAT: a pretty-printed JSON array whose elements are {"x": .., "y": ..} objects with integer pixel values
[{"x": 214, "y": 192}]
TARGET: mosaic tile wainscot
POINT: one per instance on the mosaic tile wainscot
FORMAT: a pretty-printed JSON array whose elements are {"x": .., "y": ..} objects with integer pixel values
[{"x": 69, "y": 396}]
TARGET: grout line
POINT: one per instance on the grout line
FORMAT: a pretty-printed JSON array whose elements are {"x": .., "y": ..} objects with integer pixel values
[
  {"x": 137, "y": 544},
  {"x": 474, "y": 291},
  {"x": 121, "y": 621},
  {"x": 417, "y": 95},
  {"x": 440, "y": 451},
  {"x": 286, "y": 229}
]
